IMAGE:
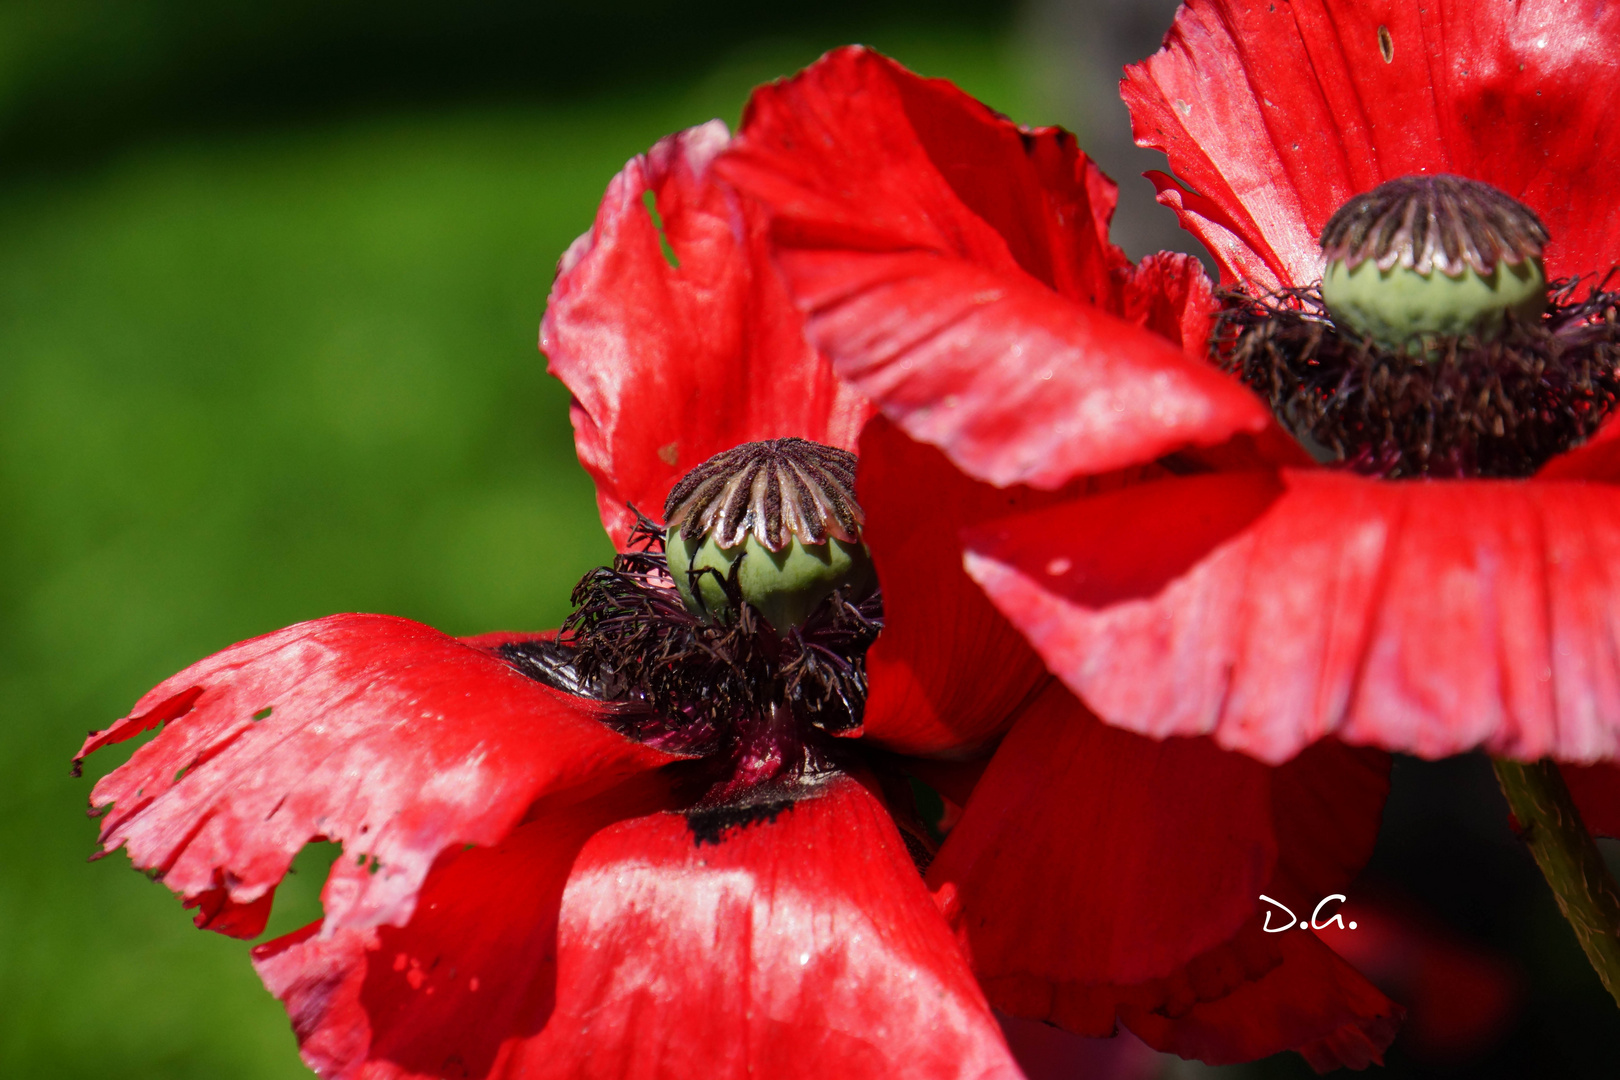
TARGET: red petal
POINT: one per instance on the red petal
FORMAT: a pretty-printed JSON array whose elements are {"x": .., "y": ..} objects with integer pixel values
[
  {"x": 1307, "y": 1000},
  {"x": 1596, "y": 789},
  {"x": 1327, "y": 806},
  {"x": 1272, "y": 609},
  {"x": 857, "y": 152},
  {"x": 948, "y": 671},
  {"x": 1101, "y": 875},
  {"x": 950, "y": 262},
  {"x": 1078, "y": 856},
  {"x": 216, "y": 911},
  {"x": 1169, "y": 294},
  {"x": 1276, "y": 114},
  {"x": 495, "y": 639},
  {"x": 1048, "y": 1053},
  {"x": 473, "y": 969},
  {"x": 671, "y": 365},
  {"x": 802, "y": 944},
  {"x": 377, "y": 732}
]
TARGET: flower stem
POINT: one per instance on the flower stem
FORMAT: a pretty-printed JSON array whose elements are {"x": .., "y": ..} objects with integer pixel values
[{"x": 1551, "y": 825}]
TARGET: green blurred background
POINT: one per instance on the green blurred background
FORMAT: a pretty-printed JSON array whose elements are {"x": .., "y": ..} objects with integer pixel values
[{"x": 270, "y": 280}]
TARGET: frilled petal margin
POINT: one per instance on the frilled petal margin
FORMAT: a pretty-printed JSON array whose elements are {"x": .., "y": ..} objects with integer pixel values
[
  {"x": 1196, "y": 835},
  {"x": 1274, "y": 114},
  {"x": 1290, "y": 990},
  {"x": 953, "y": 265},
  {"x": 1271, "y": 609},
  {"x": 376, "y": 732},
  {"x": 674, "y": 357},
  {"x": 801, "y": 944}
]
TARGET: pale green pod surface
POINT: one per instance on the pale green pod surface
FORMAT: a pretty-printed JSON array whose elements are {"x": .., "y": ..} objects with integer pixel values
[
  {"x": 786, "y": 586},
  {"x": 1400, "y": 308}
]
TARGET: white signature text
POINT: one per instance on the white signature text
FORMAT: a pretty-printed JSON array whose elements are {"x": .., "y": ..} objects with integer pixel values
[{"x": 1315, "y": 922}]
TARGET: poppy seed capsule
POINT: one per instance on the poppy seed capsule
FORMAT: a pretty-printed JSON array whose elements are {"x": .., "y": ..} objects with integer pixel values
[
  {"x": 1425, "y": 257},
  {"x": 777, "y": 517}
]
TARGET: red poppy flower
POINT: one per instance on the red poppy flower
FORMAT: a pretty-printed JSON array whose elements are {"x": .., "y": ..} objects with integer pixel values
[
  {"x": 1234, "y": 588},
  {"x": 525, "y": 890}
]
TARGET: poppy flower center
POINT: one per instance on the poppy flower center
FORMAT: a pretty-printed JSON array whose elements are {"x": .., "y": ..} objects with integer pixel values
[
  {"x": 738, "y": 633},
  {"x": 1433, "y": 345},
  {"x": 774, "y": 523}
]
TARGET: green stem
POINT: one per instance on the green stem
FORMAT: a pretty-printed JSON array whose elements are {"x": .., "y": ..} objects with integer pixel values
[{"x": 1551, "y": 825}]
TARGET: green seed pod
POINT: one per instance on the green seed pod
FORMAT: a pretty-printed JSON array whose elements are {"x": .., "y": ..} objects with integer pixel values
[
  {"x": 786, "y": 509},
  {"x": 786, "y": 585},
  {"x": 1424, "y": 257}
]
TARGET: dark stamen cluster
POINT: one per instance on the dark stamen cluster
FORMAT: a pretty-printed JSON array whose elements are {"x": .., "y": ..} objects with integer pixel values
[
  {"x": 702, "y": 688},
  {"x": 1459, "y": 408}
]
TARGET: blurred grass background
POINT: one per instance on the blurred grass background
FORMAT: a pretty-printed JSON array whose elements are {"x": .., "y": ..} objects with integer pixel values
[{"x": 270, "y": 280}]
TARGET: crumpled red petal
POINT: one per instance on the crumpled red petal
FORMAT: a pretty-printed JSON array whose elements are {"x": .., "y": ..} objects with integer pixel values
[
  {"x": 1273, "y": 115},
  {"x": 1169, "y": 293},
  {"x": 671, "y": 364},
  {"x": 1153, "y": 919},
  {"x": 1271, "y": 609},
  {"x": 949, "y": 671},
  {"x": 797, "y": 944},
  {"x": 474, "y": 969},
  {"x": 1290, "y": 990},
  {"x": 954, "y": 267},
  {"x": 1078, "y": 852},
  {"x": 1327, "y": 807},
  {"x": 376, "y": 732}
]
